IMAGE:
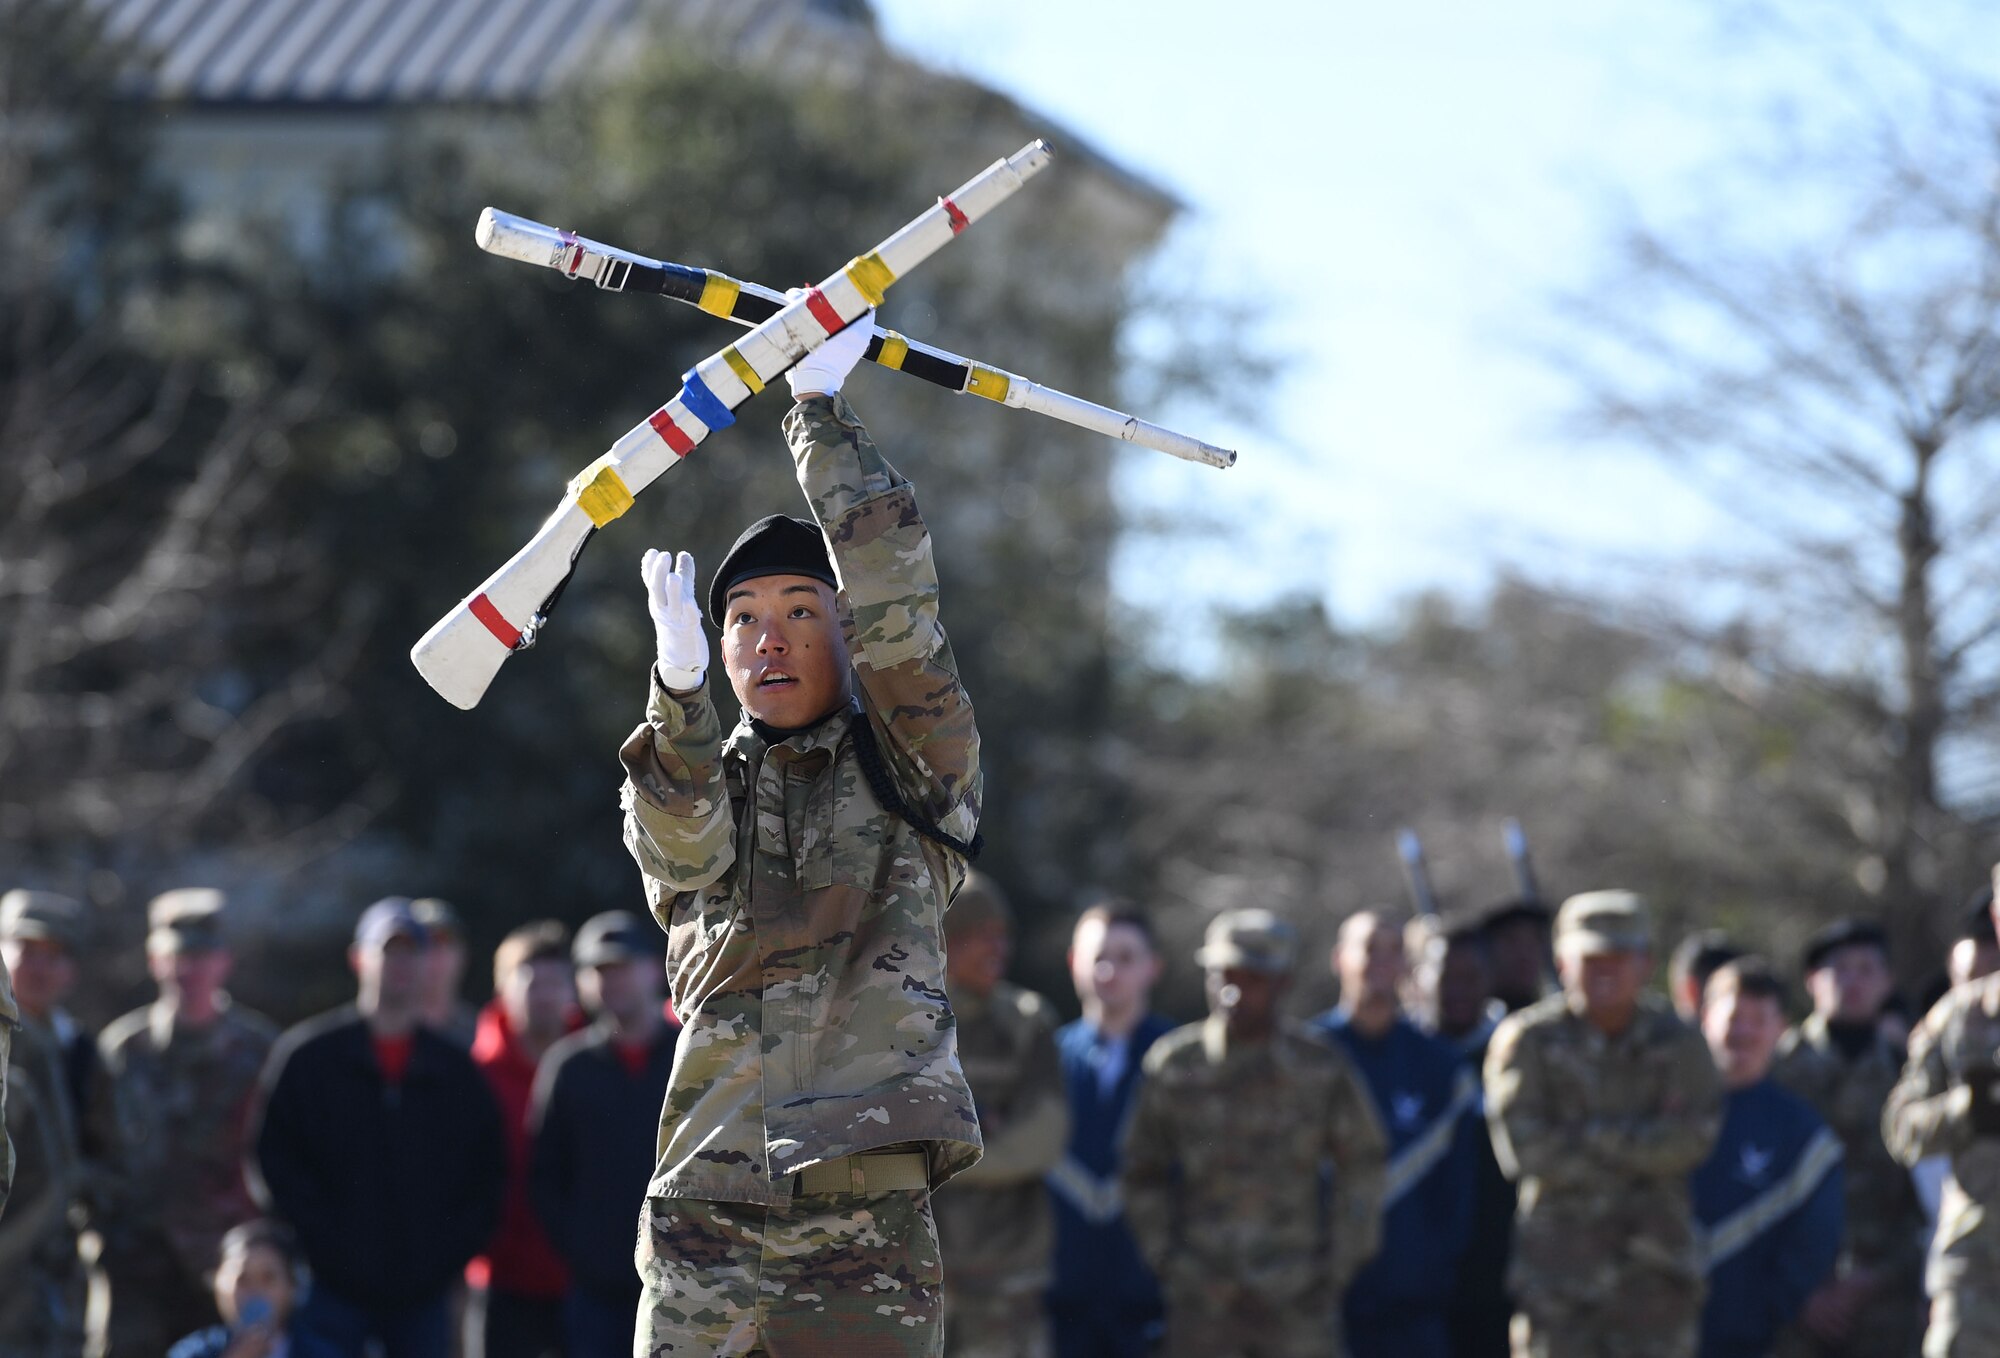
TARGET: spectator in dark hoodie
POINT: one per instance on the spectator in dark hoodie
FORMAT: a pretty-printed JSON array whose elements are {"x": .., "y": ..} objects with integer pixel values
[
  {"x": 597, "y": 1100},
  {"x": 519, "y": 1283},
  {"x": 380, "y": 1143}
]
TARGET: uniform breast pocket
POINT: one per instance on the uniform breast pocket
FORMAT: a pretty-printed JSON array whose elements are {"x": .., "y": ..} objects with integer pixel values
[{"x": 846, "y": 831}]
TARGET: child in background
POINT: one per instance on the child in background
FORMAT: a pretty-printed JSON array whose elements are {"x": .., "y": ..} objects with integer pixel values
[{"x": 259, "y": 1280}]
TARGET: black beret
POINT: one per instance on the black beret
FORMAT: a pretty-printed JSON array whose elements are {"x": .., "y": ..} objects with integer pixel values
[
  {"x": 1516, "y": 908},
  {"x": 1841, "y": 934},
  {"x": 774, "y": 545}
]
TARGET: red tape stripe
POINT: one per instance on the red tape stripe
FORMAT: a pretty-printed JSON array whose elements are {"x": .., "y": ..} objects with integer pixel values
[
  {"x": 823, "y": 312},
  {"x": 483, "y": 609},
  {"x": 957, "y": 218},
  {"x": 575, "y": 252},
  {"x": 663, "y": 425}
]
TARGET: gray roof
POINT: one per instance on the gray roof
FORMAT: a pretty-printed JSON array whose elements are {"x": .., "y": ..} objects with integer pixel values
[{"x": 361, "y": 51}]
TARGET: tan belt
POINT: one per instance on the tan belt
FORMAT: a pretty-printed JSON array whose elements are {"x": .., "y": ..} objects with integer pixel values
[{"x": 870, "y": 1172}]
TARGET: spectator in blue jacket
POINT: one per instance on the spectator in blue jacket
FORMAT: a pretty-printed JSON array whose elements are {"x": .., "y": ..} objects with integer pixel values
[
  {"x": 1399, "y": 1305},
  {"x": 594, "y": 1118},
  {"x": 1105, "y": 1302},
  {"x": 1768, "y": 1203}
]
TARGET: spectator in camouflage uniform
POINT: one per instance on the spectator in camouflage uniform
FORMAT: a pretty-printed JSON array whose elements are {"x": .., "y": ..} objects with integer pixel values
[
  {"x": 41, "y": 1277},
  {"x": 801, "y": 869},
  {"x": 1239, "y": 1122},
  {"x": 183, "y": 1072},
  {"x": 1601, "y": 1103},
  {"x": 1948, "y": 1102},
  {"x": 1841, "y": 1063},
  {"x": 994, "y": 1221}
]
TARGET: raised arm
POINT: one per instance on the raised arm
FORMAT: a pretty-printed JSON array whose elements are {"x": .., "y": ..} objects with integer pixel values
[{"x": 881, "y": 552}]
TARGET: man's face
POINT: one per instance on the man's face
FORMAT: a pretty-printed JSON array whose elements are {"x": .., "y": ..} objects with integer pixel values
[
  {"x": 1742, "y": 1032},
  {"x": 391, "y": 973},
  {"x": 190, "y": 976},
  {"x": 1113, "y": 965},
  {"x": 1606, "y": 983},
  {"x": 1369, "y": 960},
  {"x": 976, "y": 956},
  {"x": 1972, "y": 958},
  {"x": 1246, "y": 999},
  {"x": 1851, "y": 984},
  {"x": 444, "y": 966},
  {"x": 1518, "y": 949},
  {"x": 782, "y": 646},
  {"x": 537, "y": 996},
  {"x": 43, "y": 973},
  {"x": 1462, "y": 987},
  {"x": 626, "y": 990}
]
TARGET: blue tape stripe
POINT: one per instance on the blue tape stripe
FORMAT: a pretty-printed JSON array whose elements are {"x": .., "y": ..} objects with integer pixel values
[{"x": 702, "y": 403}]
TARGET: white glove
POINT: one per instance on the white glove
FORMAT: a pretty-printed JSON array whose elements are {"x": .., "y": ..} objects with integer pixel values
[
  {"x": 823, "y": 370},
  {"x": 683, "y": 646}
]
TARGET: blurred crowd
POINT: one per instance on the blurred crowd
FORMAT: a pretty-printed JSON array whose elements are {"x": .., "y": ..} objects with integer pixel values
[{"x": 1499, "y": 1141}]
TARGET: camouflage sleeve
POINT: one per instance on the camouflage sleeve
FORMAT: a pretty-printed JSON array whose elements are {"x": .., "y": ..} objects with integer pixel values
[
  {"x": 1150, "y": 1168},
  {"x": 1360, "y": 1150},
  {"x": 882, "y": 554},
  {"x": 1924, "y": 1114},
  {"x": 678, "y": 821},
  {"x": 1532, "y": 1138},
  {"x": 1681, "y": 1133},
  {"x": 37, "y": 1215},
  {"x": 1027, "y": 1140}
]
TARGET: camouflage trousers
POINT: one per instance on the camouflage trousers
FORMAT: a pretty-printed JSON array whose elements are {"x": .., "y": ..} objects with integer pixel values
[
  {"x": 996, "y": 1324},
  {"x": 1609, "y": 1331},
  {"x": 825, "y": 1276},
  {"x": 1226, "y": 1321},
  {"x": 1965, "y": 1322}
]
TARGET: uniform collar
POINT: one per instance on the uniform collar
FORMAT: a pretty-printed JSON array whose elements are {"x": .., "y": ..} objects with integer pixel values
[
  {"x": 752, "y": 738},
  {"x": 1215, "y": 1044}
]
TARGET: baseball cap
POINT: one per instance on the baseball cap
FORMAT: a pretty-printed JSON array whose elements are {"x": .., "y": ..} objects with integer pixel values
[
  {"x": 186, "y": 919},
  {"x": 1604, "y": 921},
  {"x": 390, "y": 917},
  {"x": 1255, "y": 940},
  {"x": 614, "y": 936},
  {"x": 26, "y": 914}
]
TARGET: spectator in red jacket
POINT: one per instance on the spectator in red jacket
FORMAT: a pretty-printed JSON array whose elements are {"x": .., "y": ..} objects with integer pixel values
[{"x": 519, "y": 1284}]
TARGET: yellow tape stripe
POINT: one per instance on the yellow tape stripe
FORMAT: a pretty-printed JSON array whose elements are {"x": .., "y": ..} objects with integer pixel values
[
  {"x": 871, "y": 276},
  {"x": 741, "y": 367},
  {"x": 894, "y": 350},
  {"x": 601, "y": 492},
  {"x": 718, "y": 295},
  {"x": 988, "y": 383}
]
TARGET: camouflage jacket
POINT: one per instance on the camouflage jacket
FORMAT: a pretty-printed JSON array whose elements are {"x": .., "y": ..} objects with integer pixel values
[
  {"x": 41, "y": 1298},
  {"x": 1225, "y": 1159},
  {"x": 181, "y": 1102},
  {"x": 1930, "y": 1113},
  {"x": 994, "y": 1223},
  {"x": 1885, "y": 1219},
  {"x": 1601, "y": 1134},
  {"x": 803, "y": 921},
  {"x": 10, "y": 1019}
]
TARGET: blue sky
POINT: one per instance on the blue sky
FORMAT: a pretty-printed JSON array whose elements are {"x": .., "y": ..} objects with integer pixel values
[{"x": 1408, "y": 187}]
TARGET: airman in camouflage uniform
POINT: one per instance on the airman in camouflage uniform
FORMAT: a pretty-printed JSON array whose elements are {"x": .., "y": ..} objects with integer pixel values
[
  {"x": 1601, "y": 1102},
  {"x": 1239, "y": 1121},
  {"x": 1948, "y": 1103},
  {"x": 994, "y": 1221},
  {"x": 1844, "y": 1065},
  {"x": 816, "y": 1095},
  {"x": 182, "y": 1072},
  {"x": 41, "y": 1278}
]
